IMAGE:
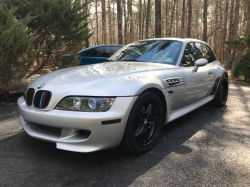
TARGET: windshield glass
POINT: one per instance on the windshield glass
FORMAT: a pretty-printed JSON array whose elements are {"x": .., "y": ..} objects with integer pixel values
[{"x": 159, "y": 51}]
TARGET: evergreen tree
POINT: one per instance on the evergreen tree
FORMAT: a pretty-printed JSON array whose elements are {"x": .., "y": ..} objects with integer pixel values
[
  {"x": 60, "y": 25},
  {"x": 243, "y": 67},
  {"x": 16, "y": 55}
]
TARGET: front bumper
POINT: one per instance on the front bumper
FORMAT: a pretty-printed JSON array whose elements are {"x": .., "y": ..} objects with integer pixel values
[{"x": 73, "y": 122}]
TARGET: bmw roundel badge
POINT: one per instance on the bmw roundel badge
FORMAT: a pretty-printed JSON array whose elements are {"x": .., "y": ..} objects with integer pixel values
[{"x": 40, "y": 86}]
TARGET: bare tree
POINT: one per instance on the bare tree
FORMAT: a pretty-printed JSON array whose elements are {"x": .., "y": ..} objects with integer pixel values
[
  {"x": 143, "y": 17},
  {"x": 125, "y": 23},
  {"x": 140, "y": 13},
  {"x": 247, "y": 32},
  {"x": 166, "y": 16},
  {"x": 189, "y": 18},
  {"x": 104, "y": 35},
  {"x": 147, "y": 19},
  {"x": 231, "y": 31},
  {"x": 110, "y": 22},
  {"x": 172, "y": 18},
  {"x": 205, "y": 21},
  {"x": 97, "y": 24},
  {"x": 157, "y": 18},
  {"x": 215, "y": 25},
  {"x": 183, "y": 19},
  {"x": 236, "y": 19},
  {"x": 119, "y": 20},
  {"x": 225, "y": 31},
  {"x": 131, "y": 21}
]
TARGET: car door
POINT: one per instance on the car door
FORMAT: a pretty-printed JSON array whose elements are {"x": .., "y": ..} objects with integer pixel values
[
  {"x": 198, "y": 84},
  {"x": 94, "y": 55}
]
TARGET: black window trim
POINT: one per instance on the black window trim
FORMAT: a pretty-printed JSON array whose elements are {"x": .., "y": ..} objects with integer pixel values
[{"x": 189, "y": 53}]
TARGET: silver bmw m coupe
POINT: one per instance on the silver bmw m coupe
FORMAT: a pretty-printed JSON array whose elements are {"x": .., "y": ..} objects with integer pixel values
[{"x": 126, "y": 100}]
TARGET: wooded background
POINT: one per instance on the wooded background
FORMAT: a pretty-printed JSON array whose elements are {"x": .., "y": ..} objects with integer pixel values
[{"x": 213, "y": 21}]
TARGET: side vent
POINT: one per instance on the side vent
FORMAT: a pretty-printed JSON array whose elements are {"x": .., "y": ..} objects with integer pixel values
[{"x": 176, "y": 81}]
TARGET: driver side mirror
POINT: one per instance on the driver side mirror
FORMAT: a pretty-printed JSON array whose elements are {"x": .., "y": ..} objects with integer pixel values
[{"x": 198, "y": 63}]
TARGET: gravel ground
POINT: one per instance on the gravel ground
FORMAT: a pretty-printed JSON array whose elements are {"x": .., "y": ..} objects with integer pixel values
[{"x": 208, "y": 147}]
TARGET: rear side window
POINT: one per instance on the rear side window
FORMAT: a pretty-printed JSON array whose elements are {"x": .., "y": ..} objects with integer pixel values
[
  {"x": 96, "y": 52},
  {"x": 208, "y": 53},
  {"x": 199, "y": 50}
]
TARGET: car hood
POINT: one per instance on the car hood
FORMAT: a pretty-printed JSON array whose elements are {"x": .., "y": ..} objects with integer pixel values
[
  {"x": 104, "y": 79},
  {"x": 73, "y": 77}
]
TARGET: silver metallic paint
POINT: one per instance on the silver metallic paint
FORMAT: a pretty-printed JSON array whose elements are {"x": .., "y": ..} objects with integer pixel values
[{"x": 125, "y": 81}]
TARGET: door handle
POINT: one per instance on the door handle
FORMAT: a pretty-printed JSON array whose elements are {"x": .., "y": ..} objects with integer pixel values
[{"x": 210, "y": 73}]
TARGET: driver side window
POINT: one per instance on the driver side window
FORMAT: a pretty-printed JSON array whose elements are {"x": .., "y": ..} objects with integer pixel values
[{"x": 188, "y": 58}]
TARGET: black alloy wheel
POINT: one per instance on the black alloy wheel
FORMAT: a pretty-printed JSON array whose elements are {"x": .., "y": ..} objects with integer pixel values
[
  {"x": 221, "y": 95},
  {"x": 224, "y": 91},
  {"x": 144, "y": 124}
]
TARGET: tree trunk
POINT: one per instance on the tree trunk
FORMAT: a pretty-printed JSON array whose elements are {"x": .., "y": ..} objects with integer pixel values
[
  {"x": 114, "y": 21},
  {"x": 236, "y": 19},
  {"x": 172, "y": 18},
  {"x": 247, "y": 33},
  {"x": 140, "y": 12},
  {"x": 157, "y": 18},
  {"x": 110, "y": 23},
  {"x": 131, "y": 21},
  {"x": 143, "y": 18},
  {"x": 86, "y": 12},
  {"x": 125, "y": 24},
  {"x": 104, "y": 35},
  {"x": 176, "y": 20},
  {"x": 225, "y": 32},
  {"x": 96, "y": 22},
  {"x": 215, "y": 25},
  {"x": 189, "y": 18},
  {"x": 231, "y": 27},
  {"x": 205, "y": 21},
  {"x": 166, "y": 17},
  {"x": 119, "y": 20},
  {"x": 147, "y": 19},
  {"x": 183, "y": 19}
]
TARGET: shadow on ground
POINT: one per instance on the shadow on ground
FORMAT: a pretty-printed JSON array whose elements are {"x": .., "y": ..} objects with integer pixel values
[{"x": 30, "y": 162}]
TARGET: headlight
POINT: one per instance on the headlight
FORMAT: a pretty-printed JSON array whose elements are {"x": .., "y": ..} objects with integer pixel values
[{"x": 85, "y": 104}]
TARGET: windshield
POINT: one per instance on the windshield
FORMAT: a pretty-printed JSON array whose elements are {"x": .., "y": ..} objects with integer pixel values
[{"x": 159, "y": 51}]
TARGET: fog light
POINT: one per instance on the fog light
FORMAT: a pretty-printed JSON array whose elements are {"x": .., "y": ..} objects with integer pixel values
[
  {"x": 77, "y": 102},
  {"x": 92, "y": 104}
]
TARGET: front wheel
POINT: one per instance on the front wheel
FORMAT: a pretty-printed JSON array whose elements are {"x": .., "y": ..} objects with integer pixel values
[
  {"x": 221, "y": 95},
  {"x": 144, "y": 124}
]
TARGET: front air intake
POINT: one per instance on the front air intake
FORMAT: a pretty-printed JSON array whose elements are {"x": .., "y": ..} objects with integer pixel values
[
  {"x": 29, "y": 96},
  {"x": 42, "y": 99}
]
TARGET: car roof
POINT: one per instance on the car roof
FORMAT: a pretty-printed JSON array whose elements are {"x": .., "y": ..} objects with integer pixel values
[
  {"x": 184, "y": 40},
  {"x": 107, "y": 45}
]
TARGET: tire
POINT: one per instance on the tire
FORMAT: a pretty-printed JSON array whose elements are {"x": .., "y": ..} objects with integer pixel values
[
  {"x": 143, "y": 127},
  {"x": 221, "y": 95}
]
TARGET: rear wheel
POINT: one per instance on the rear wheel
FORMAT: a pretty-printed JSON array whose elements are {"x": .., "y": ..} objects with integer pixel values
[
  {"x": 144, "y": 124},
  {"x": 221, "y": 95}
]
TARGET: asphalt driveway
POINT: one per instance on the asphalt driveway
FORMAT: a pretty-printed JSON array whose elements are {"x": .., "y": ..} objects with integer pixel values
[{"x": 208, "y": 147}]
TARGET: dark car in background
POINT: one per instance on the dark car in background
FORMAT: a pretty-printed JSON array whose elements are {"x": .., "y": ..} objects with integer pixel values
[{"x": 97, "y": 54}]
